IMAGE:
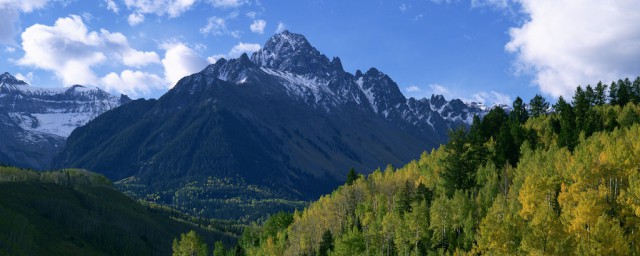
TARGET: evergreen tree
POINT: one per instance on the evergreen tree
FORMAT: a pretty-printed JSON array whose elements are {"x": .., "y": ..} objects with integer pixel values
[
  {"x": 613, "y": 94},
  {"x": 190, "y": 244},
  {"x": 404, "y": 198},
  {"x": 459, "y": 170},
  {"x": 538, "y": 105},
  {"x": 599, "y": 94},
  {"x": 581, "y": 107},
  {"x": 636, "y": 90},
  {"x": 567, "y": 136},
  {"x": 519, "y": 113},
  {"x": 352, "y": 176},
  {"x": 623, "y": 94},
  {"x": 326, "y": 245}
]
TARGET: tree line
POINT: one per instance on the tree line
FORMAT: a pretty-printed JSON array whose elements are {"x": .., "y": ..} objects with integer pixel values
[{"x": 559, "y": 179}]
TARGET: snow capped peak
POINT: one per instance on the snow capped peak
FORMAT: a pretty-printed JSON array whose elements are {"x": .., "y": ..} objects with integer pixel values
[
  {"x": 52, "y": 111},
  {"x": 292, "y": 52},
  {"x": 10, "y": 82}
]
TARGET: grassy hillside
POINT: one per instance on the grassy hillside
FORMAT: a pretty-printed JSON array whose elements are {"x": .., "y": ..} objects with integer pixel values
[
  {"x": 75, "y": 212},
  {"x": 565, "y": 183}
]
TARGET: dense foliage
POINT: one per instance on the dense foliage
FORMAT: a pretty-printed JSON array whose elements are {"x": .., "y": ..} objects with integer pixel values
[
  {"x": 76, "y": 212},
  {"x": 533, "y": 181}
]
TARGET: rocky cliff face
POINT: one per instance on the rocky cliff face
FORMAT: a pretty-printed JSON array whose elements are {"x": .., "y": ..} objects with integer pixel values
[{"x": 35, "y": 122}]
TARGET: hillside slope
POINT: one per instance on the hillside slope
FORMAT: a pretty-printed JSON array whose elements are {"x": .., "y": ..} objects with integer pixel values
[{"x": 74, "y": 212}]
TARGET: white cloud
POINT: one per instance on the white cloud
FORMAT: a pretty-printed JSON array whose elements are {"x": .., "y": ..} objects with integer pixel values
[
  {"x": 501, "y": 4},
  {"x": 172, "y": 8},
  {"x": 10, "y": 49},
  {"x": 8, "y": 27},
  {"x": 215, "y": 26},
  {"x": 10, "y": 12},
  {"x": 180, "y": 61},
  {"x": 235, "y": 52},
  {"x": 70, "y": 50},
  {"x": 135, "y": 19},
  {"x": 27, "y": 78},
  {"x": 570, "y": 43},
  {"x": 132, "y": 83},
  {"x": 23, "y": 5},
  {"x": 218, "y": 26},
  {"x": 252, "y": 15},
  {"x": 281, "y": 27},
  {"x": 413, "y": 88},
  {"x": 112, "y": 6},
  {"x": 404, "y": 7},
  {"x": 241, "y": 48},
  {"x": 439, "y": 89},
  {"x": 227, "y": 3},
  {"x": 213, "y": 59},
  {"x": 490, "y": 98},
  {"x": 258, "y": 26}
]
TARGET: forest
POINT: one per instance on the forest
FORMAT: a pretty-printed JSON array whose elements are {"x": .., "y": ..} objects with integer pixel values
[
  {"x": 555, "y": 180},
  {"x": 77, "y": 212}
]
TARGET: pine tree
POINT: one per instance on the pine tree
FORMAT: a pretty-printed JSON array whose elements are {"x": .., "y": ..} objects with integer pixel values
[
  {"x": 538, "y": 105},
  {"x": 326, "y": 245},
  {"x": 599, "y": 95},
  {"x": 352, "y": 176}
]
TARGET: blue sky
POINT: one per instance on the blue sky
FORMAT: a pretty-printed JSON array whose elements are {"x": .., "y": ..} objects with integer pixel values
[{"x": 478, "y": 50}]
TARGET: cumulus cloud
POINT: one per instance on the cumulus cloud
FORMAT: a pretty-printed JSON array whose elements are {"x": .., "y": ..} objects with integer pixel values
[
  {"x": 179, "y": 61},
  {"x": 112, "y": 6},
  {"x": 172, "y": 8},
  {"x": 570, "y": 43},
  {"x": 258, "y": 26},
  {"x": 132, "y": 83},
  {"x": 227, "y": 3},
  {"x": 70, "y": 50},
  {"x": 135, "y": 19},
  {"x": 413, "y": 88}
]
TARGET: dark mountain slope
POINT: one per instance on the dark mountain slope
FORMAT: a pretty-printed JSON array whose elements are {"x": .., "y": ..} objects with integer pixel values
[
  {"x": 74, "y": 212},
  {"x": 285, "y": 124}
]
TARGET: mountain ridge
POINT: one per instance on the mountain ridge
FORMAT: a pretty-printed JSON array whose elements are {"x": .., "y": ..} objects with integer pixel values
[
  {"x": 275, "y": 125},
  {"x": 35, "y": 121}
]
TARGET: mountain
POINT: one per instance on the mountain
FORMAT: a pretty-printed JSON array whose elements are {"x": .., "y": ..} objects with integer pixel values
[
  {"x": 75, "y": 212},
  {"x": 35, "y": 122},
  {"x": 257, "y": 134}
]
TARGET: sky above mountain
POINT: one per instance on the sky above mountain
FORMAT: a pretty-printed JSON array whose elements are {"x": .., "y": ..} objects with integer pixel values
[{"x": 479, "y": 50}]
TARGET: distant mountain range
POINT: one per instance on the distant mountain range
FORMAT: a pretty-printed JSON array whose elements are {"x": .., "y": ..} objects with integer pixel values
[
  {"x": 261, "y": 132},
  {"x": 35, "y": 122}
]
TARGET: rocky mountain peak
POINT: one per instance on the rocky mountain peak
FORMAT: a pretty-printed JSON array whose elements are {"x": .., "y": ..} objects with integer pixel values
[{"x": 292, "y": 52}]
